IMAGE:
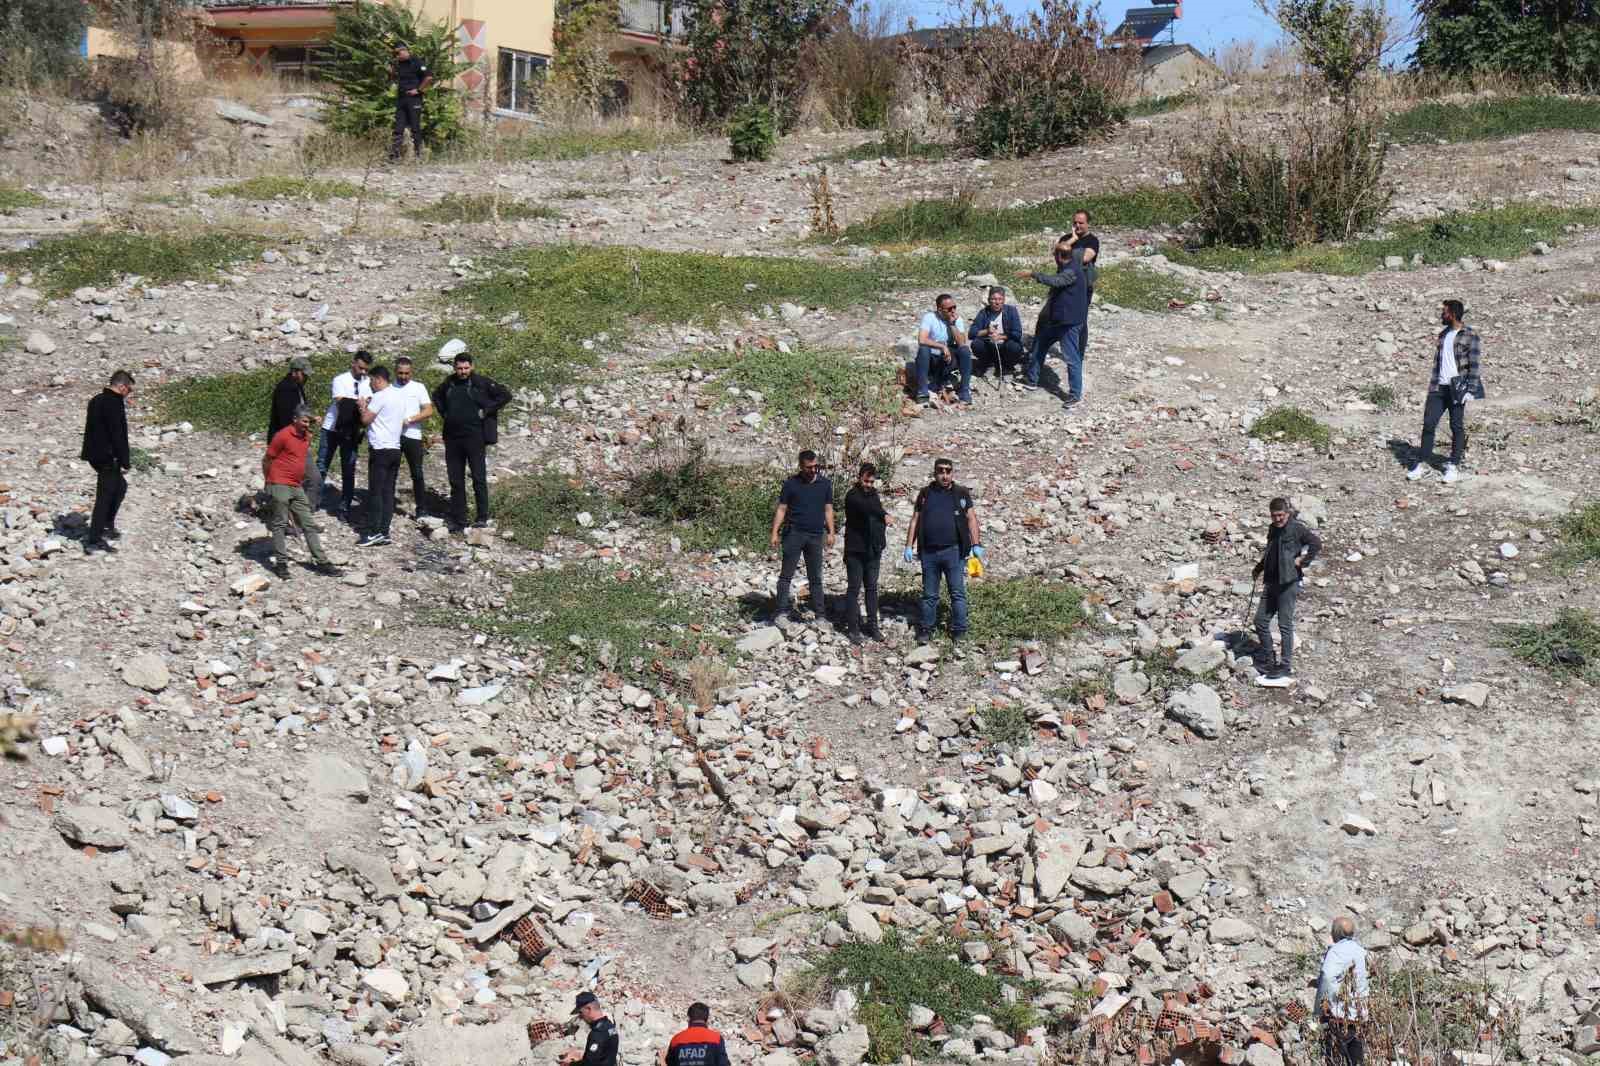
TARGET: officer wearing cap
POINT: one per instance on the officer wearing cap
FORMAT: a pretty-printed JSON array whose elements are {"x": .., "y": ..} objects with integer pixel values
[
  {"x": 698, "y": 1045},
  {"x": 287, "y": 397},
  {"x": 601, "y": 1049}
]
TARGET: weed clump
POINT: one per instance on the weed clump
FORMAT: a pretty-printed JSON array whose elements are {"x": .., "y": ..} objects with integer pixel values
[
  {"x": 590, "y": 616},
  {"x": 558, "y": 146},
  {"x": 890, "y": 977},
  {"x": 902, "y": 144},
  {"x": 819, "y": 380},
  {"x": 15, "y": 198},
  {"x": 537, "y": 505},
  {"x": 710, "y": 504},
  {"x": 1580, "y": 537},
  {"x": 752, "y": 133},
  {"x": 1380, "y": 396},
  {"x": 1141, "y": 289},
  {"x": 1291, "y": 425},
  {"x": 456, "y": 207},
  {"x": 1009, "y": 724},
  {"x": 272, "y": 187},
  {"x": 1023, "y": 608},
  {"x": 1569, "y": 646},
  {"x": 1492, "y": 120},
  {"x": 102, "y": 257}
]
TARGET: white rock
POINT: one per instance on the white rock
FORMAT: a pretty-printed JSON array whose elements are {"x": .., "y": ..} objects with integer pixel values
[
  {"x": 38, "y": 344},
  {"x": 390, "y": 985}
]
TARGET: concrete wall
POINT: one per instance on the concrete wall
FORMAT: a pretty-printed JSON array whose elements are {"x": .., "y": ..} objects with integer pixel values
[
  {"x": 180, "y": 55},
  {"x": 1178, "y": 74}
]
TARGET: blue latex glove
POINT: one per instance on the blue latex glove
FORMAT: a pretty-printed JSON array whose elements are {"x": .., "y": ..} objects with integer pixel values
[
  {"x": 910, "y": 554},
  {"x": 977, "y": 550}
]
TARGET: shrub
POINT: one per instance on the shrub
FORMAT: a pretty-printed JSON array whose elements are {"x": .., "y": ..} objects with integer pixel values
[
  {"x": 712, "y": 505},
  {"x": 39, "y": 39},
  {"x": 1326, "y": 183},
  {"x": 1033, "y": 83},
  {"x": 746, "y": 52},
  {"x": 147, "y": 91},
  {"x": 1580, "y": 537},
  {"x": 583, "y": 74},
  {"x": 1380, "y": 396},
  {"x": 1493, "y": 119},
  {"x": 272, "y": 187},
  {"x": 1291, "y": 425},
  {"x": 1008, "y": 724},
  {"x": 854, "y": 69},
  {"x": 15, "y": 197},
  {"x": 899, "y": 145},
  {"x": 1568, "y": 646},
  {"x": 752, "y": 133},
  {"x": 1535, "y": 40},
  {"x": 479, "y": 207},
  {"x": 1341, "y": 41},
  {"x": 362, "y": 101},
  {"x": 1008, "y": 611}
]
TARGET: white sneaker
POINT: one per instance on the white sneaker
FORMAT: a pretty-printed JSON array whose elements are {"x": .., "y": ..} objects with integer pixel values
[
  {"x": 1451, "y": 474},
  {"x": 1418, "y": 472}
]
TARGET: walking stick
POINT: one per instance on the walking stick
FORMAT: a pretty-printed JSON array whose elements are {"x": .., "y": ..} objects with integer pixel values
[{"x": 1249, "y": 606}]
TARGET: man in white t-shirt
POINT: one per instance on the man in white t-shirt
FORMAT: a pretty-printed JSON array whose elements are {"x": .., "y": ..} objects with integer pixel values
[
  {"x": 1457, "y": 377},
  {"x": 383, "y": 413},
  {"x": 341, "y": 427},
  {"x": 419, "y": 408}
]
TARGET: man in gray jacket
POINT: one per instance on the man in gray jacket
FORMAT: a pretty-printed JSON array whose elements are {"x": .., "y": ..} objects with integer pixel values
[{"x": 1290, "y": 548}]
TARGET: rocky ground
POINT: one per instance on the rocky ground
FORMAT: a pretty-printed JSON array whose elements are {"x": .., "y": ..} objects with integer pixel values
[{"x": 283, "y": 822}]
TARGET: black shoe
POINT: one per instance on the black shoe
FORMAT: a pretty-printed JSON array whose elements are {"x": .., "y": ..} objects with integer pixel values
[
  {"x": 874, "y": 633},
  {"x": 113, "y": 533},
  {"x": 99, "y": 544},
  {"x": 327, "y": 568},
  {"x": 856, "y": 638},
  {"x": 281, "y": 571},
  {"x": 1072, "y": 401},
  {"x": 482, "y": 523},
  {"x": 922, "y": 636}
]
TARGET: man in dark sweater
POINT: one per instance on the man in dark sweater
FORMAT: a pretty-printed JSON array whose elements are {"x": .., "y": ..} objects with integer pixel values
[
  {"x": 1065, "y": 311},
  {"x": 801, "y": 525},
  {"x": 996, "y": 335},
  {"x": 865, "y": 534},
  {"x": 287, "y": 398},
  {"x": 469, "y": 404},
  {"x": 1291, "y": 547},
  {"x": 105, "y": 447},
  {"x": 411, "y": 81},
  {"x": 944, "y": 531}
]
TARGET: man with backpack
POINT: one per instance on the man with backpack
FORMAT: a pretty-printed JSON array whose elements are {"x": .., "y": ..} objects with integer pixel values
[
  {"x": 341, "y": 427},
  {"x": 469, "y": 403}
]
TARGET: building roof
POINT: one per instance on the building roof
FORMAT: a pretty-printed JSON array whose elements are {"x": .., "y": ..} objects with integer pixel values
[
  {"x": 938, "y": 37},
  {"x": 1156, "y": 54},
  {"x": 270, "y": 3},
  {"x": 1144, "y": 23}
]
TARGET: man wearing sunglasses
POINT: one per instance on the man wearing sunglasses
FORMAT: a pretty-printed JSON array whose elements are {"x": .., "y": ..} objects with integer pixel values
[{"x": 942, "y": 349}]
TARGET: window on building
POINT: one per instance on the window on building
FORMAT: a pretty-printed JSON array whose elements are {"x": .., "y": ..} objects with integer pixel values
[
  {"x": 520, "y": 77},
  {"x": 292, "y": 61}
]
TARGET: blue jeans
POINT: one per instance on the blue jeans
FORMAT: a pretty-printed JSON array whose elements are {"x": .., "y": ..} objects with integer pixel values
[
  {"x": 933, "y": 360},
  {"x": 1071, "y": 338},
  {"x": 326, "y": 444},
  {"x": 946, "y": 562}
]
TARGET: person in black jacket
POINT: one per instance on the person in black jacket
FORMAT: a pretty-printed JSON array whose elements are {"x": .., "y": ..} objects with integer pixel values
[
  {"x": 1291, "y": 547},
  {"x": 105, "y": 447},
  {"x": 469, "y": 403},
  {"x": 288, "y": 397},
  {"x": 865, "y": 534}
]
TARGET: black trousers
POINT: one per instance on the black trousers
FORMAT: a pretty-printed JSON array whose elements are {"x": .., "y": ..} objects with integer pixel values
[
  {"x": 407, "y": 116},
  {"x": 109, "y": 489},
  {"x": 411, "y": 448},
  {"x": 459, "y": 455},
  {"x": 1005, "y": 356},
  {"x": 1438, "y": 403},
  {"x": 1341, "y": 1045},
  {"x": 795, "y": 545},
  {"x": 861, "y": 570},
  {"x": 383, "y": 472}
]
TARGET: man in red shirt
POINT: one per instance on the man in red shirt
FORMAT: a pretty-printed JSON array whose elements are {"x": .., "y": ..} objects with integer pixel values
[
  {"x": 698, "y": 1045},
  {"x": 284, "y": 467}
]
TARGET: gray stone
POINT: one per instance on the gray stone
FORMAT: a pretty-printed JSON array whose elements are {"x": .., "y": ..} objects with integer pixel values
[
  {"x": 179, "y": 809},
  {"x": 373, "y": 869},
  {"x": 1473, "y": 693},
  {"x": 1200, "y": 709},
  {"x": 104, "y": 987},
  {"x": 148, "y": 672},
  {"x": 220, "y": 969},
  {"x": 92, "y": 826},
  {"x": 39, "y": 344},
  {"x": 846, "y": 1048},
  {"x": 1056, "y": 852},
  {"x": 817, "y": 869},
  {"x": 1201, "y": 660},
  {"x": 503, "y": 1043},
  {"x": 1231, "y": 931},
  {"x": 477, "y": 697},
  {"x": 1102, "y": 879},
  {"x": 759, "y": 640},
  {"x": 1262, "y": 1055},
  {"x": 755, "y": 975},
  {"x": 858, "y": 918},
  {"x": 1356, "y": 825},
  {"x": 1187, "y": 886},
  {"x": 710, "y": 896},
  {"x": 1071, "y": 928},
  {"x": 331, "y": 777},
  {"x": 503, "y": 874},
  {"x": 131, "y": 754},
  {"x": 238, "y": 113},
  {"x": 389, "y": 985},
  {"x": 1312, "y": 510}
]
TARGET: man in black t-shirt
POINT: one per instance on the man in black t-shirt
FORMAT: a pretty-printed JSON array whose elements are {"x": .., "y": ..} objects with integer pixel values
[
  {"x": 411, "y": 79},
  {"x": 944, "y": 531},
  {"x": 802, "y": 525},
  {"x": 1080, "y": 237}
]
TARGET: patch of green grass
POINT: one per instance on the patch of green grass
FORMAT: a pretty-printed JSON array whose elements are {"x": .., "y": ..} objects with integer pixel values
[
  {"x": 1165, "y": 677},
  {"x": 1161, "y": 105},
  {"x": 889, "y": 977},
  {"x": 1569, "y": 646},
  {"x": 821, "y": 380},
  {"x": 1005, "y": 725},
  {"x": 591, "y": 616},
  {"x": 1023, "y": 608},
  {"x": 892, "y": 146},
  {"x": 1081, "y": 690},
  {"x": 709, "y": 505},
  {"x": 238, "y": 403},
  {"x": 561, "y": 145},
  {"x": 101, "y": 258},
  {"x": 1380, "y": 396},
  {"x": 1493, "y": 233},
  {"x": 536, "y": 505},
  {"x": 527, "y": 323},
  {"x": 1291, "y": 425},
  {"x": 270, "y": 187},
  {"x": 1140, "y": 288},
  {"x": 15, "y": 197},
  {"x": 1580, "y": 537},
  {"x": 478, "y": 207},
  {"x": 1491, "y": 120},
  {"x": 141, "y": 460},
  {"x": 957, "y": 220}
]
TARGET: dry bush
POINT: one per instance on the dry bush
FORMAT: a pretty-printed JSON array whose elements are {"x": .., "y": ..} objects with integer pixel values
[
  {"x": 1237, "y": 59},
  {"x": 854, "y": 69},
  {"x": 153, "y": 84}
]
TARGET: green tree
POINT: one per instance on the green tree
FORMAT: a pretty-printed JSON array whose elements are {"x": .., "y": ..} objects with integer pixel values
[
  {"x": 39, "y": 38},
  {"x": 363, "y": 97},
  {"x": 748, "y": 52},
  {"x": 1341, "y": 40},
  {"x": 1536, "y": 40},
  {"x": 583, "y": 74}
]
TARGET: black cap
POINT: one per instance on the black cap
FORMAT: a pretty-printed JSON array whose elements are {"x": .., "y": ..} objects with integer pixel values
[{"x": 584, "y": 999}]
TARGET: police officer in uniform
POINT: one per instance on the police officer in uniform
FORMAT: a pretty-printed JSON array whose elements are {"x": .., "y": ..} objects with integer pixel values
[
  {"x": 601, "y": 1049},
  {"x": 698, "y": 1045},
  {"x": 411, "y": 79}
]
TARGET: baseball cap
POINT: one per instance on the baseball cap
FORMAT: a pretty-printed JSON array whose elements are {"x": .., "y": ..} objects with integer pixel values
[
  {"x": 300, "y": 362},
  {"x": 584, "y": 999}
]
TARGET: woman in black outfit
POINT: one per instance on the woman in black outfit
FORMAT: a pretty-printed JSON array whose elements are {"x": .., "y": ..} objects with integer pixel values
[{"x": 865, "y": 533}]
